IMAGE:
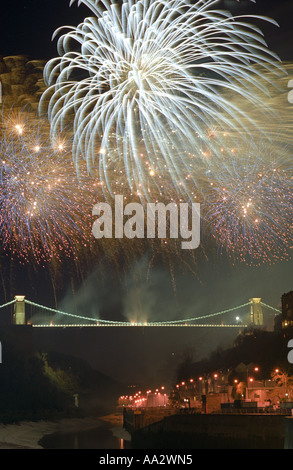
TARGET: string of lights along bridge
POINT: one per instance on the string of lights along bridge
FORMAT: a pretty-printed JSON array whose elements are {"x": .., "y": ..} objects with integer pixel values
[{"x": 40, "y": 317}]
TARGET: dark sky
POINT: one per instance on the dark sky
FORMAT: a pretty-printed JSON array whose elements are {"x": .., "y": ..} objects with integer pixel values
[{"x": 26, "y": 27}]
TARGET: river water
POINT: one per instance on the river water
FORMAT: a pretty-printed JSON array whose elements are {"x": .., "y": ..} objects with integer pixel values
[{"x": 103, "y": 437}]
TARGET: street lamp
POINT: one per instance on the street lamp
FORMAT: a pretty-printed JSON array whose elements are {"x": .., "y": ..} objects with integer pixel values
[
  {"x": 214, "y": 382},
  {"x": 256, "y": 369}
]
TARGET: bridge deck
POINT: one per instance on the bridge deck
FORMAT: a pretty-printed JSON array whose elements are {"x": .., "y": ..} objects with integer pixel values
[{"x": 137, "y": 326}]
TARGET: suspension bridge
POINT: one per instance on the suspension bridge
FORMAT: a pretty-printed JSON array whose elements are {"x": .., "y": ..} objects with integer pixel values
[{"x": 46, "y": 317}]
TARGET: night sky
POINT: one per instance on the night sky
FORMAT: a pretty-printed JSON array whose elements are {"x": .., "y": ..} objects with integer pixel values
[{"x": 26, "y": 27}]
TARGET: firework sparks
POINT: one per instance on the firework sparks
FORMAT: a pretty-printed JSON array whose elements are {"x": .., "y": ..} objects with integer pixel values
[
  {"x": 248, "y": 208},
  {"x": 45, "y": 212},
  {"x": 144, "y": 84}
]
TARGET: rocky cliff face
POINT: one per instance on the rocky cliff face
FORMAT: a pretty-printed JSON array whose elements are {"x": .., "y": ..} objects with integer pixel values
[{"x": 21, "y": 80}]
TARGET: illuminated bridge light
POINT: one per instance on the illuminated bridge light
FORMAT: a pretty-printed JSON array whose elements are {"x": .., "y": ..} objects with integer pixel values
[{"x": 85, "y": 322}]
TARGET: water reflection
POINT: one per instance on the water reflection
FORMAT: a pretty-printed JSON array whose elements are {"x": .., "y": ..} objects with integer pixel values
[{"x": 100, "y": 438}]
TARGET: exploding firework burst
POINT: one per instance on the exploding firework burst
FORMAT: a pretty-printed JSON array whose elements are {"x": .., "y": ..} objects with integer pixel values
[
  {"x": 248, "y": 208},
  {"x": 143, "y": 83},
  {"x": 45, "y": 210}
]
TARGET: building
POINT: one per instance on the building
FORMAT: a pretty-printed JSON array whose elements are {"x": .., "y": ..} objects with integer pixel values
[
  {"x": 287, "y": 310},
  {"x": 259, "y": 391}
]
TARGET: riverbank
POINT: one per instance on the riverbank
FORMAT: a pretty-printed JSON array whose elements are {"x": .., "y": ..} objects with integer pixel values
[{"x": 27, "y": 434}]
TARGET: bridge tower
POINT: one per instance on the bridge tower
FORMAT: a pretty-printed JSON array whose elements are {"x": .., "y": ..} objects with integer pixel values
[
  {"x": 19, "y": 310},
  {"x": 256, "y": 314}
]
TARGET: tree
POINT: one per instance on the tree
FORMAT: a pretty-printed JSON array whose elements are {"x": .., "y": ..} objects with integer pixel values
[{"x": 284, "y": 385}]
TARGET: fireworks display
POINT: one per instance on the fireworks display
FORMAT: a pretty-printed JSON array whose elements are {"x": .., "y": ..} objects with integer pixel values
[
  {"x": 157, "y": 101},
  {"x": 45, "y": 210},
  {"x": 249, "y": 204},
  {"x": 145, "y": 81}
]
